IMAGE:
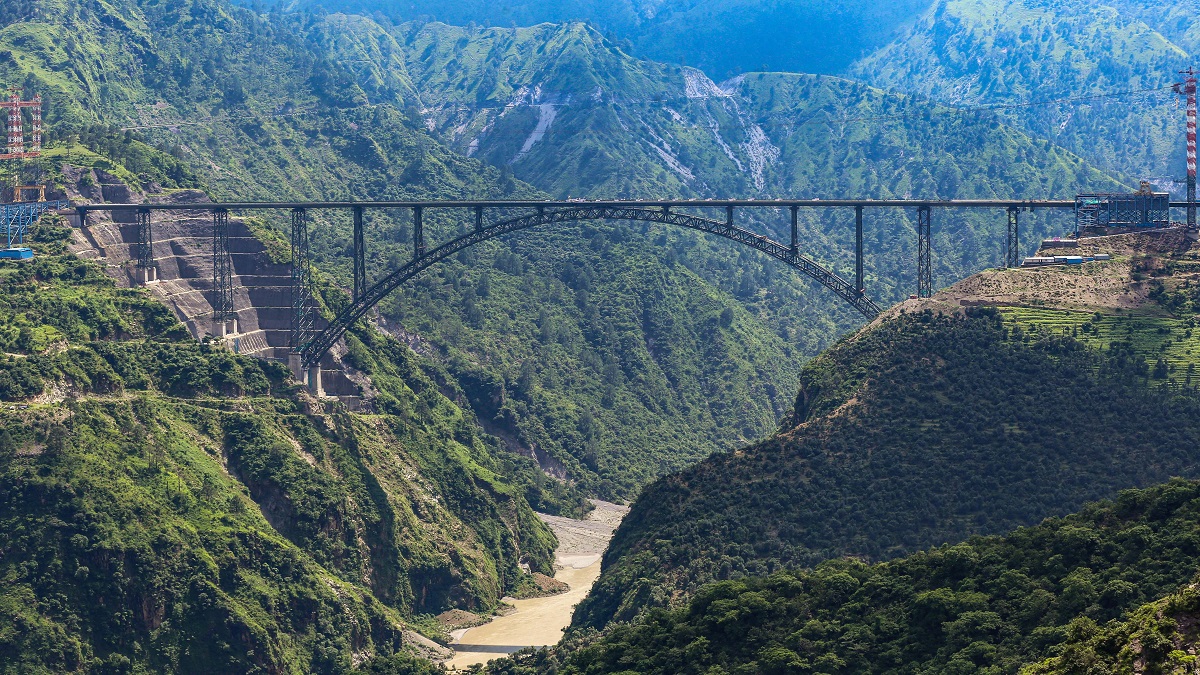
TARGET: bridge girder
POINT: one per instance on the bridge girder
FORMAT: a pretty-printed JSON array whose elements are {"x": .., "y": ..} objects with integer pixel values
[{"x": 312, "y": 350}]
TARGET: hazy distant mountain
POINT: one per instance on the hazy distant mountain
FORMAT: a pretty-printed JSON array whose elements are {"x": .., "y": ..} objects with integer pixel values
[
  {"x": 721, "y": 37},
  {"x": 1017, "y": 52}
]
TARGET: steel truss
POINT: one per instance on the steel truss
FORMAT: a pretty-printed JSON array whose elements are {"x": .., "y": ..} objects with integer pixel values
[
  {"x": 303, "y": 307},
  {"x": 18, "y": 218},
  {"x": 924, "y": 254},
  {"x": 1012, "y": 243},
  {"x": 145, "y": 243},
  {"x": 222, "y": 297},
  {"x": 360, "y": 255}
]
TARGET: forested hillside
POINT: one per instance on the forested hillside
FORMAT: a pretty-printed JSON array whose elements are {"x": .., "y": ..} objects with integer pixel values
[
  {"x": 722, "y": 37},
  {"x": 1012, "y": 52},
  {"x": 169, "y": 505},
  {"x": 546, "y": 345},
  {"x": 1067, "y": 586},
  {"x": 921, "y": 430}
]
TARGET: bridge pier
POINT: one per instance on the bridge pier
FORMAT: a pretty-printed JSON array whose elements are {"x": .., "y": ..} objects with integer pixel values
[
  {"x": 924, "y": 254},
  {"x": 859, "y": 286},
  {"x": 310, "y": 377},
  {"x": 222, "y": 296},
  {"x": 418, "y": 233},
  {"x": 222, "y": 328},
  {"x": 302, "y": 300},
  {"x": 360, "y": 255},
  {"x": 795, "y": 230},
  {"x": 1012, "y": 242},
  {"x": 146, "y": 272}
]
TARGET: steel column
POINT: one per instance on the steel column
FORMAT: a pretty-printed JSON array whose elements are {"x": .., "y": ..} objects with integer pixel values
[
  {"x": 418, "y": 234},
  {"x": 1012, "y": 243},
  {"x": 729, "y": 215},
  {"x": 222, "y": 298},
  {"x": 302, "y": 299},
  {"x": 360, "y": 255},
  {"x": 145, "y": 244},
  {"x": 478, "y": 218},
  {"x": 859, "y": 286},
  {"x": 924, "y": 257},
  {"x": 795, "y": 230}
]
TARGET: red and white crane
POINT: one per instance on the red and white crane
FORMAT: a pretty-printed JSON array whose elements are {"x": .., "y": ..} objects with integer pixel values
[
  {"x": 1188, "y": 88},
  {"x": 16, "y": 133}
]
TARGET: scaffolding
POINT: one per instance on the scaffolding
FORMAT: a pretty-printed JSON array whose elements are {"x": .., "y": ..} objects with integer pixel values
[{"x": 18, "y": 218}]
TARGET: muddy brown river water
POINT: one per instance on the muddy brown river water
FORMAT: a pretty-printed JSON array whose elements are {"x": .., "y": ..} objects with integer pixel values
[{"x": 539, "y": 622}]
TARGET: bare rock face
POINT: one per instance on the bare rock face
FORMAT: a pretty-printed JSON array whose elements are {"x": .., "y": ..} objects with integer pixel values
[{"x": 114, "y": 191}]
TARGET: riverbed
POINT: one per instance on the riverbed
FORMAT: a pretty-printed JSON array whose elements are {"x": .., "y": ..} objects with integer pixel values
[{"x": 539, "y": 622}]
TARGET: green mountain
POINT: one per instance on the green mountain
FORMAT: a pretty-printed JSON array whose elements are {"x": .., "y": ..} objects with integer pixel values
[
  {"x": 549, "y": 344},
  {"x": 1069, "y": 586},
  {"x": 721, "y": 37},
  {"x": 1059, "y": 56},
  {"x": 945, "y": 419},
  {"x": 571, "y": 113},
  {"x": 170, "y": 507}
]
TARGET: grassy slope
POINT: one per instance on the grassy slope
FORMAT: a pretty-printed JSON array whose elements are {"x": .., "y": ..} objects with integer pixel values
[{"x": 1011, "y": 51}]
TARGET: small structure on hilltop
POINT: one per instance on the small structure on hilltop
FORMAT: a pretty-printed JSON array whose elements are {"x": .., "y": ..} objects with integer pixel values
[{"x": 1114, "y": 213}]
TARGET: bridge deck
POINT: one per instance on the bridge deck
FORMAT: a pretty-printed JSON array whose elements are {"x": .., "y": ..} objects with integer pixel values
[{"x": 683, "y": 203}]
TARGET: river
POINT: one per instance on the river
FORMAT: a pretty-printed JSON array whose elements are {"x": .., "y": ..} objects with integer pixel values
[{"x": 539, "y": 622}]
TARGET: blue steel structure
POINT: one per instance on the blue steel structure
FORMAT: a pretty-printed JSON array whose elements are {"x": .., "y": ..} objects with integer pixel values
[{"x": 17, "y": 219}]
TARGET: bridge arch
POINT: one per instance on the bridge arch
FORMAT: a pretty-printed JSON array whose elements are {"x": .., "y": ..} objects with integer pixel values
[{"x": 312, "y": 350}]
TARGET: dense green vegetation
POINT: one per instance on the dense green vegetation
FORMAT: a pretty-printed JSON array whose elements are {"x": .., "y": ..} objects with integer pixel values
[
  {"x": 921, "y": 430},
  {"x": 996, "y": 52},
  {"x": 989, "y": 605},
  {"x": 168, "y": 506},
  {"x": 1157, "y": 638},
  {"x": 201, "y": 498},
  {"x": 723, "y": 37},
  {"x": 547, "y": 348}
]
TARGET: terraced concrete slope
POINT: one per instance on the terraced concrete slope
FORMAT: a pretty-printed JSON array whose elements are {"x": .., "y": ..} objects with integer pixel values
[{"x": 183, "y": 256}]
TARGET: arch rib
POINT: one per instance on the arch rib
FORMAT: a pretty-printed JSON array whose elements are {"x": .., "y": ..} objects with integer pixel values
[{"x": 321, "y": 343}]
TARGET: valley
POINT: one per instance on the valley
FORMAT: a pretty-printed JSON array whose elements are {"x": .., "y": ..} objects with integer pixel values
[
  {"x": 539, "y": 622},
  {"x": 598, "y": 337}
]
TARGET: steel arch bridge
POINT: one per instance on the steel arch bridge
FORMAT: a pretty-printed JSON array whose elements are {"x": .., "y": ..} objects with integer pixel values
[
  {"x": 312, "y": 350},
  {"x": 310, "y": 345}
]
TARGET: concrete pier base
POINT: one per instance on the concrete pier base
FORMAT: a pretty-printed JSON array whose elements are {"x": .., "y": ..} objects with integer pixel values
[
  {"x": 145, "y": 275},
  {"x": 297, "y": 368},
  {"x": 310, "y": 377},
  {"x": 314, "y": 381},
  {"x": 224, "y": 327}
]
